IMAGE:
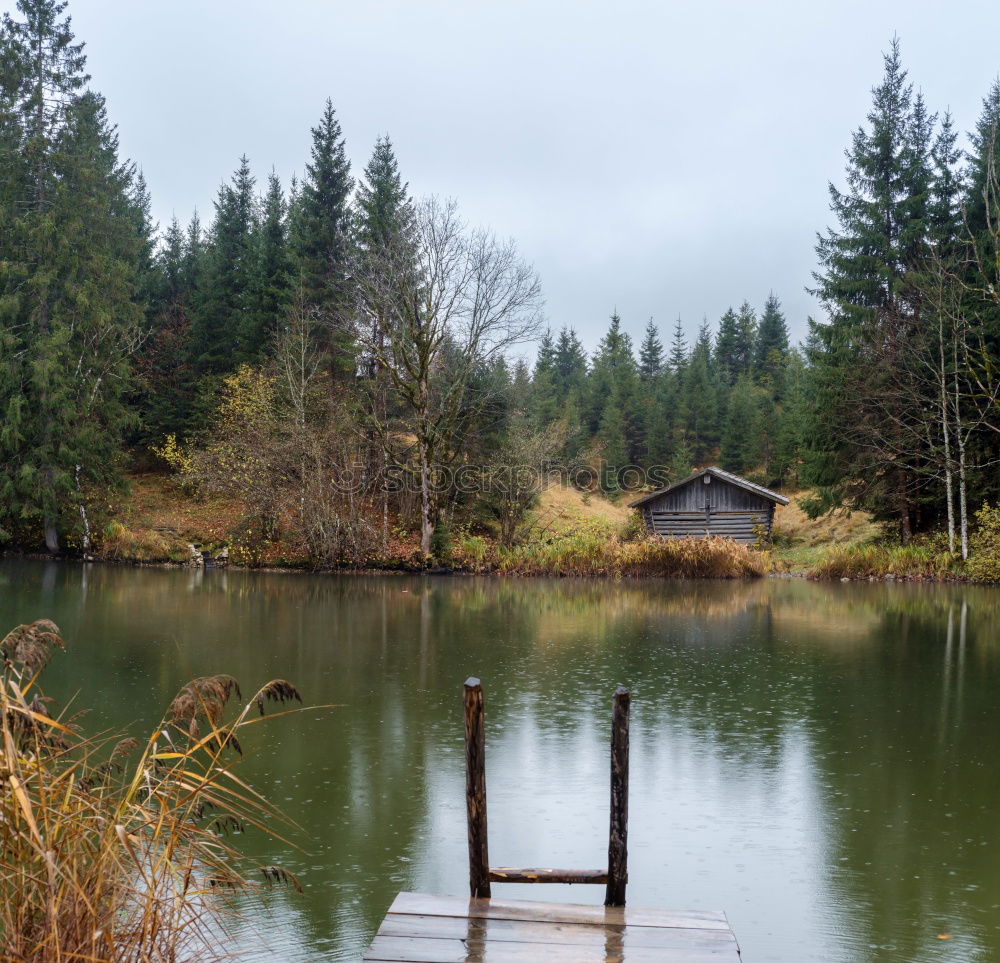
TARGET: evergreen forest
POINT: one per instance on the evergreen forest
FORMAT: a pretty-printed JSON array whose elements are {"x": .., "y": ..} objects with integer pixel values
[{"x": 358, "y": 366}]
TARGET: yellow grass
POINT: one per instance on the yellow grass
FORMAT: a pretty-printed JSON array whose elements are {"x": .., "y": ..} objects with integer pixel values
[
  {"x": 111, "y": 852},
  {"x": 565, "y": 510},
  {"x": 792, "y": 524}
]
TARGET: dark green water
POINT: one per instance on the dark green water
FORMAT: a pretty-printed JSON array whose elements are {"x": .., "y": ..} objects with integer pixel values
[{"x": 821, "y": 761}]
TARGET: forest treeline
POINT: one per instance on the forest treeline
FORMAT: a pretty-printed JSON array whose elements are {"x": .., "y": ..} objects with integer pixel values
[{"x": 329, "y": 351}]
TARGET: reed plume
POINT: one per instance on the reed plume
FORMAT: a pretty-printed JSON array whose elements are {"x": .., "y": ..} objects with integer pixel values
[{"x": 114, "y": 850}]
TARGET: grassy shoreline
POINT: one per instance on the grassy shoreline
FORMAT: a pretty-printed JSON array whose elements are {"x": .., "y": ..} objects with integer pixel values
[{"x": 571, "y": 534}]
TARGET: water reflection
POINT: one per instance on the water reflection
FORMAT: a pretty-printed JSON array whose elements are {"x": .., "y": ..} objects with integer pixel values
[{"x": 818, "y": 760}]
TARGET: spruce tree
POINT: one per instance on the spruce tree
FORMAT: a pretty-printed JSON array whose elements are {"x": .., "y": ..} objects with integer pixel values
[
  {"x": 165, "y": 379},
  {"x": 384, "y": 209},
  {"x": 739, "y": 442},
  {"x": 681, "y": 461},
  {"x": 226, "y": 291},
  {"x": 322, "y": 235},
  {"x": 793, "y": 421},
  {"x": 678, "y": 349},
  {"x": 614, "y": 375},
  {"x": 862, "y": 437},
  {"x": 944, "y": 215},
  {"x": 701, "y": 398},
  {"x": 570, "y": 366},
  {"x": 725, "y": 347},
  {"x": 658, "y": 426},
  {"x": 384, "y": 227},
  {"x": 612, "y": 436},
  {"x": 771, "y": 347},
  {"x": 71, "y": 305},
  {"x": 613, "y": 361},
  {"x": 193, "y": 263},
  {"x": 983, "y": 158},
  {"x": 271, "y": 280},
  {"x": 544, "y": 399},
  {"x": 650, "y": 353}
]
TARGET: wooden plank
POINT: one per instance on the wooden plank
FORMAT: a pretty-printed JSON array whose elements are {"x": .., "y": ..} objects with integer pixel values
[
  {"x": 422, "y": 904},
  {"x": 393, "y": 949},
  {"x": 529, "y": 931},
  {"x": 506, "y": 874},
  {"x": 475, "y": 789},
  {"x": 618, "y": 832}
]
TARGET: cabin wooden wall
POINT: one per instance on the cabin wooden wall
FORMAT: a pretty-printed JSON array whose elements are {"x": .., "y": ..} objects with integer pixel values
[{"x": 733, "y": 512}]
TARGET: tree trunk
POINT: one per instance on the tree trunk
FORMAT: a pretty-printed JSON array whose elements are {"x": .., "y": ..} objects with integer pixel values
[
  {"x": 946, "y": 436},
  {"x": 963, "y": 515},
  {"x": 905, "y": 517},
  {"x": 426, "y": 505},
  {"x": 51, "y": 535},
  {"x": 84, "y": 520},
  {"x": 963, "y": 512}
]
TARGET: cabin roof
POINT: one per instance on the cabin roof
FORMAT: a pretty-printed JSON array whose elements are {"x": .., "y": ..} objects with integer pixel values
[{"x": 722, "y": 476}]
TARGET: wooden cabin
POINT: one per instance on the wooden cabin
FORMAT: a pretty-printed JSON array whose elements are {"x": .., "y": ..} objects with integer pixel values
[{"x": 711, "y": 502}]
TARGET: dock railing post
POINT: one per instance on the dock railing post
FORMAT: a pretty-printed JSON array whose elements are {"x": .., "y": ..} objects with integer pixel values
[
  {"x": 475, "y": 790},
  {"x": 618, "y": 835}
]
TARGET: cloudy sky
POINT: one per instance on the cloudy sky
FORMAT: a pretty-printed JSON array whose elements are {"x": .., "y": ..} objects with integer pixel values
[{"x": 662, "y": 158}]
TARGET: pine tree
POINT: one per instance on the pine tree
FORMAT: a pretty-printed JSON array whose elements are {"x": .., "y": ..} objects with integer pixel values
[
  {"x": 771, "y": 347},
  {"x": 322, "y": 235}
]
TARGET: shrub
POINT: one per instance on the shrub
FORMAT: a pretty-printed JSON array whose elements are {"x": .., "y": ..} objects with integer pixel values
[
  {"x": 984, "y": 546},
  {"x": 106, "y": 860}
]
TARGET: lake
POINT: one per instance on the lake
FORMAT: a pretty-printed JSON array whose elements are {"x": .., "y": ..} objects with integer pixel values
[{"x": 821, "y": 761}]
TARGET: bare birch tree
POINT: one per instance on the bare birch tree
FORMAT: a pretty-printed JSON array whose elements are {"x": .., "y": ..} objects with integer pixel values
[{"x": 433, "y": 309}]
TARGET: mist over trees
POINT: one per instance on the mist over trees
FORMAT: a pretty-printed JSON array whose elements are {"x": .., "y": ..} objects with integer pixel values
[{"x": 330, "y": 349}]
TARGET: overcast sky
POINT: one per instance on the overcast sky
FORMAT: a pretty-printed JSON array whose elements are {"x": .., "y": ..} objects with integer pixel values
[{"x": 663, "y": 158}]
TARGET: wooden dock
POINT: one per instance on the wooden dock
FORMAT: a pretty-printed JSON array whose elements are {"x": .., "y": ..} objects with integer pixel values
[
  {"x": 452, "y": 929},
  {"x": 480, "y": 929}
]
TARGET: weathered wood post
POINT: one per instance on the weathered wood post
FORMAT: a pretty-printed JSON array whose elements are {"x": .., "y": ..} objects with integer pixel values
[
  {"x": 475, "y": 789},
  {"x": 618, "y": 836}
]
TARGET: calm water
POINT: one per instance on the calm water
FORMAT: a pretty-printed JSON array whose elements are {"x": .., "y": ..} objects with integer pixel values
[{"x": 821, "y": 761}]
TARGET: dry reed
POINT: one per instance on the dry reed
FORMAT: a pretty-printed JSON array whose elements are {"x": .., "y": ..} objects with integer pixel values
[
  {"x": 103, "y": 859},
  {"x": 924, "y": 560},
  {"x": 599, "y": 551}
]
